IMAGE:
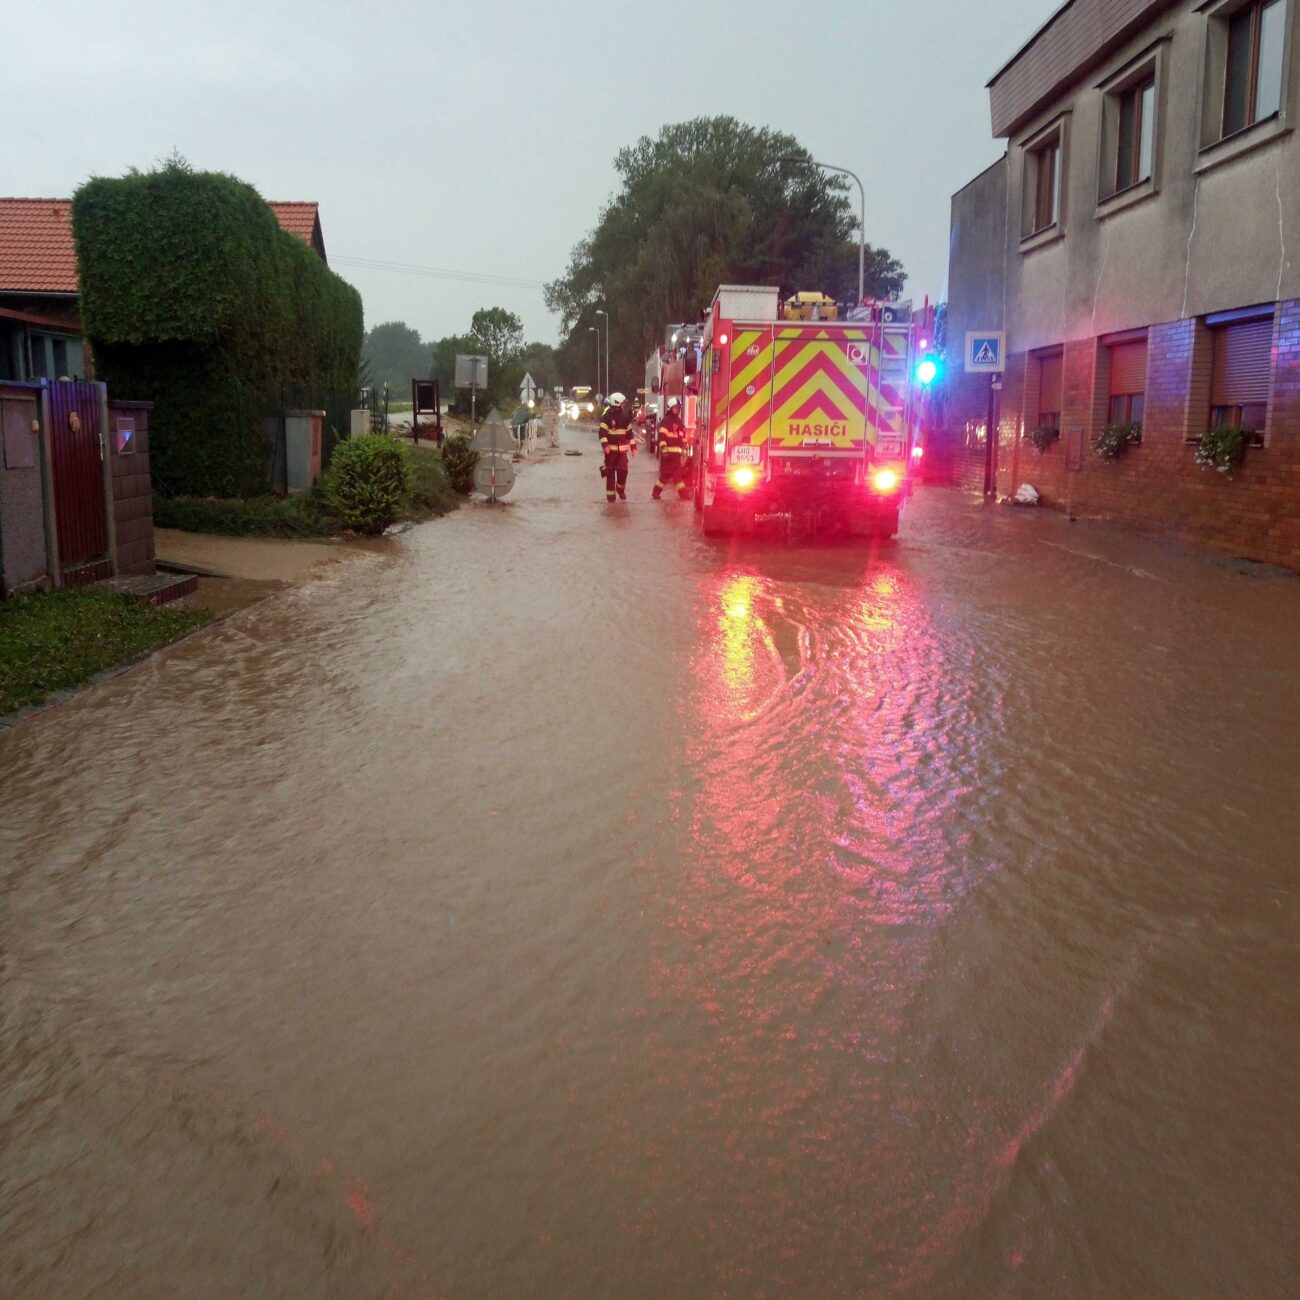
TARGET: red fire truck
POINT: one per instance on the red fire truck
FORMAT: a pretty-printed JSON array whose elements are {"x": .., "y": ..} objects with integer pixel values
[
  {"x": 673, "y": 370},
  {"x": 806, "y": 423}
]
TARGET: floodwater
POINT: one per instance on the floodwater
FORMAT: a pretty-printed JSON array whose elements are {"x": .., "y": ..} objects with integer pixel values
[{"x": 548, "y": 902}]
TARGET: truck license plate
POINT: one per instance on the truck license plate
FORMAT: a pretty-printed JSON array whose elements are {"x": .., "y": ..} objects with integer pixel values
[{"x": 745, "y": 454}]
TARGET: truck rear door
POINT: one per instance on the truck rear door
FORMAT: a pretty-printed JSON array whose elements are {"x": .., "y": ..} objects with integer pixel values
[{"x": 819, "y": 391}]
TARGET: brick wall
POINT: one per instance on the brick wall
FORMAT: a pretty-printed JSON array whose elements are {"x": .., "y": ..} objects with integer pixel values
[
  {"x": 1157, "y": 485},
  {"x": 132, "y": 492},
  {"x": 955, "y": 451}
]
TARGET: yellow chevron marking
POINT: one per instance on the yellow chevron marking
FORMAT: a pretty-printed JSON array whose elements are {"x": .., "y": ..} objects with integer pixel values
[
  {"x": 752, "y": 367},
  {"x": 851, "y": 414}
]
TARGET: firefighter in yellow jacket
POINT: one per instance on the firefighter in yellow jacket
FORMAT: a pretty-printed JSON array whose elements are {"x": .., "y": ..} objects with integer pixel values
[
  {"x": 672, "y": 451},
  {"x": 616, "y": 441}
]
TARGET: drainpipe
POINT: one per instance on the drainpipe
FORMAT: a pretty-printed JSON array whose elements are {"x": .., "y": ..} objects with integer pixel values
[
  {"x": 47, "y": 491},
  {"x": 106, "y": 457}
]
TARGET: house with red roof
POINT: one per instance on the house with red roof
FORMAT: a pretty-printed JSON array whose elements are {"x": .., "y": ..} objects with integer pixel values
[{"x": 40, "y": 316}]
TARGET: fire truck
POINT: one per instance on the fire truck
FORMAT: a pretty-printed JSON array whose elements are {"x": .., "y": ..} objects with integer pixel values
[
  {"x": 673, "y": 370},
  {"x": 806, "y": 423}
]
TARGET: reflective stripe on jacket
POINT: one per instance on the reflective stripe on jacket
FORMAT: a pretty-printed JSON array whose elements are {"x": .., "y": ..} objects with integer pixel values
[
  {"x": 672, "y": 435},
  {"x": 615, "y": 430}
]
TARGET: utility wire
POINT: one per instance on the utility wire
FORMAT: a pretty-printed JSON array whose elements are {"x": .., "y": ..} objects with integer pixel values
[{"x": 438, "y": 272}]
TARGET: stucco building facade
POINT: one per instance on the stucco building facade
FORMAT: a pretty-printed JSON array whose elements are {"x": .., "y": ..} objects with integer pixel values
[{"x": 1138, "y": 244}]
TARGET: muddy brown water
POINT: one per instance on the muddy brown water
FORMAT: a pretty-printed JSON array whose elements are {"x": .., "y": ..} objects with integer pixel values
[{"x": 550, "y": 903}]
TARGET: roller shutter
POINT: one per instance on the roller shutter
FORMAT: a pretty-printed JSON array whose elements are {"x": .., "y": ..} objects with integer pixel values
[
  {"x": 1242, "y": 363},
  {"x": 1128, "y": 368}
]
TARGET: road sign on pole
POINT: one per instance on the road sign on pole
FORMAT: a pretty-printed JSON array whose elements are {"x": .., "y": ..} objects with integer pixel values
[
  {"x": 986, "y": 352},
  {"x": 528, "y": 390},
  {"x": 471, "y": 373}
]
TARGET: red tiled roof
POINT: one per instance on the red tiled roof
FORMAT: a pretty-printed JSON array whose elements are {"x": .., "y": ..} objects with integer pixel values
[
  {"x": 297, "y": 218},
  {"x": 36, "y": 251},
  {"x": 37, "y": 254}
]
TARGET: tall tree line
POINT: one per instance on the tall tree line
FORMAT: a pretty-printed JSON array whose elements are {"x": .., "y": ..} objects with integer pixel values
[{"x": 706, "y": 202}]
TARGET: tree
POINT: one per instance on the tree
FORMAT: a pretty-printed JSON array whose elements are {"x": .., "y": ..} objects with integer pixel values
[
  {"x": 395, "y": 355},
  {"x": 499, "y": 334},
  {"x": 707, "y": 202},
  {"x": 445, "y": 351},
  {"x": 542, "y": 362}
]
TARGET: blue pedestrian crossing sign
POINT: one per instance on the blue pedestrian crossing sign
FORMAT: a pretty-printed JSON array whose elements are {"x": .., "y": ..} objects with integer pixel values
[{"x": 986, "y": 352}]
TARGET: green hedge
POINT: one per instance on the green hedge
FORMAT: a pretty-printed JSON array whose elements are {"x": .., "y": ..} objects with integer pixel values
[
  {"x": 297, "y": 516},
  {"x": 193, "y": 298}
]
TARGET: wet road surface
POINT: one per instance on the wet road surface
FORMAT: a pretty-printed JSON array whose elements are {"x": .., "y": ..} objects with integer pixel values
[{"x": 550, "y": 903}]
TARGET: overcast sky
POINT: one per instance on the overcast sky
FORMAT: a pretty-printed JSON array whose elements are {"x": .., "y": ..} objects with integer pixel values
[{"x": 479, "y": 137}]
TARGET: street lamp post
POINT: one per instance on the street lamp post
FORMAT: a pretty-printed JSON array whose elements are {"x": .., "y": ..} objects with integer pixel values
[
  {"x": 601, "y": 312},
  {"x": 595, "y": 329},
  {"x": 862, "y": 215}
]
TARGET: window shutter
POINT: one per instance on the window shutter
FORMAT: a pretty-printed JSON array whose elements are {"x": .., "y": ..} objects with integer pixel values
[
  {"x": 1049, "y": 382},
  {"x": 1128, "y": 368},
  {"x": 1242, "y": 362}
]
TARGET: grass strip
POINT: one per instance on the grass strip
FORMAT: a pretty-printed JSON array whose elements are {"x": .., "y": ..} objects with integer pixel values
[{"x": 54, "y": 641}]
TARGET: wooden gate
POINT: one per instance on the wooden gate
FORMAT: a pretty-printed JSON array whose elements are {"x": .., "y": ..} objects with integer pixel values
[{"x": 76, "y": 455}]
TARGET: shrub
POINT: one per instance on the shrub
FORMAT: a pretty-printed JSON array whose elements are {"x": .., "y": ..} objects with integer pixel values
[
  {"x": 431, "y": 493},
  {"x": 1040, "y": 439},
  {"x": 1114, "y": 439},
  {"x": 458, "y": 461},
  {"x": 369, "y": 482},
  {"x": 1223, "y": 448}
]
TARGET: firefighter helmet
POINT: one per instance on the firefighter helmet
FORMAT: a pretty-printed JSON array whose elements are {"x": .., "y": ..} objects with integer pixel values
[
  {"x": 616, "y": 399},
  {"x": 674, "y": 403}
]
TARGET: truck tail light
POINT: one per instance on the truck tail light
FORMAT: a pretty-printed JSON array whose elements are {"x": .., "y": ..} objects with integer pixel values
[
  {"x": 884, "y": 480},
  {"x": 743, "y": 477}
]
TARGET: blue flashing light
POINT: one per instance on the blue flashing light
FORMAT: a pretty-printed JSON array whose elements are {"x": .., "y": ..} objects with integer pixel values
[{"x": 927, "y": 371}]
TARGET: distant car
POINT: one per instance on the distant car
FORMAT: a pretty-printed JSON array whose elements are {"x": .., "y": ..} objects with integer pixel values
[{"x": 581, "y": 403}]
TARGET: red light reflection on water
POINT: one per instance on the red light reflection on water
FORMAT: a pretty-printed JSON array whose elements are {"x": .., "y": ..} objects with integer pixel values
[{"x": 819, "y": 862}]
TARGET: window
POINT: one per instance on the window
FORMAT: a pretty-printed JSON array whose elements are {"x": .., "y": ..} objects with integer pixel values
[
  {"x": 1050, "y": 373},
  {"x": 1135, "y": 147},
  {"x": 1131, "y": 127},
  {"x": 1252, "y": 63},
  {"x": 42, "y": 363},
  {"x": 1241, "y": 374},
  {"x": 1128, "y": 381},
  {"x": 1043, "y": 181},
  {"x": 1247, "y": 55}
]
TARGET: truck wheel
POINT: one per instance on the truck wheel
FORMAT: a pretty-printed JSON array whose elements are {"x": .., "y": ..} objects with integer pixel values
[{"x": 714, "y": 521}]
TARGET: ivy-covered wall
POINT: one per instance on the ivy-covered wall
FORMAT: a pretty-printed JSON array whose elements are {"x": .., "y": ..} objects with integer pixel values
[{"x": 194, "y": 298}]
